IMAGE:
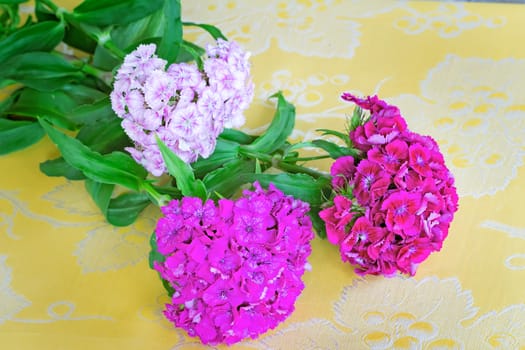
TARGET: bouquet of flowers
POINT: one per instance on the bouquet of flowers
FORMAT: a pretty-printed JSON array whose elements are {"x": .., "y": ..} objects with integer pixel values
[
  {"x": 233, "y": 268},
  {"x": 144, "y": 116},
  {"x": 393, "y": 203}
]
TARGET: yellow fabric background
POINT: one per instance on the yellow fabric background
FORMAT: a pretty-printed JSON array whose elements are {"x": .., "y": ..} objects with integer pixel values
[{"x": 70, "y": 281}]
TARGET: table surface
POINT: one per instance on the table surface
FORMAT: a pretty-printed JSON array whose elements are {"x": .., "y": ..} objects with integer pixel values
[{"x": 68, "y": 280}]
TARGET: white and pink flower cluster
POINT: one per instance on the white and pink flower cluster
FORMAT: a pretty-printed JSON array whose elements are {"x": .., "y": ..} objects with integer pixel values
[
  {"x": 393, "y": 206},
  {"x": 235, "y": 267},
  {"x": 185, "y": 107}
]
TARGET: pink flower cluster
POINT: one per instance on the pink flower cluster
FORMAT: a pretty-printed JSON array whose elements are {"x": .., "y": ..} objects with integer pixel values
[
  {"x": 236, "y": 267},
  {"x": 393, "y": 207},
  {"x": 185, "y": 107}
]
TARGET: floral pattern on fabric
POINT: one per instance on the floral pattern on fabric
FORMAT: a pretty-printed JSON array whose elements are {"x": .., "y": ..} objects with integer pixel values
[
  {"x": 447, "y": 20},
  {"x": 10, "y": 302},
  {"x": 468, "y": 107},
  {"x": 401, "y": 313},
  {"x": 304, "y": 27}
]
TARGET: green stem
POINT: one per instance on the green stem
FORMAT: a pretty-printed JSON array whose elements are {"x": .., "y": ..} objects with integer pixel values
[
  {"x": 306, "y": 159},
  {"x": 52, "y": 6},
  {"x": 104, "y": 39},
  {"x": 280, "y": 163},
  {"x": 158, "y": 199},
  {"x": 104, "y": 76},
  {"x": 294, "y": 168}
]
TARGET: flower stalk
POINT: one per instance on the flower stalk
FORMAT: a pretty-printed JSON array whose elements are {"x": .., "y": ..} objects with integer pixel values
[
  {"x": 278, "y": 162},
  {"x": 104, "y": 76},
  {"x": 158, "y": 199}
]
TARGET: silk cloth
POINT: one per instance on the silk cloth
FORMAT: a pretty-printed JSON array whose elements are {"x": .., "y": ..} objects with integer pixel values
[{"x": 69, "y": 280}]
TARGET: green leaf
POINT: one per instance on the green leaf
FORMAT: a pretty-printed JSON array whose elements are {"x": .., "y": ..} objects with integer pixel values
[
  {"x": 155, "y": 256},
  {"x": 43, "y": 12},
  {"x": 9, "y": 18},
  {"x": 11, "y": 2},
  {"x": 101, "y": 133},
  {"x": 334, "y": 151},
  {"x": 343, "y": 136},
  {"x": 301, "y": 186},
  {"x": 172, "y": 37},
  {"x": 114, "y": 168},
  {"x": 93, "y": 113},
  {"x": 317, "y": 223},
  {"x": 76, "y": 38},
  {"x": 16, "y": 135},
  {"x": 129, "y": 36},
  {"x": 227, "y": 179},
  {"x": 279, "y": 130},
  {"x": 50, "y": 105},
  {"x": 114, "y": 12},
  {"x": 212, "y": 30},
  {"x": 59, "y": 167},
  {"x": 225, "y": 151},
  {"x": 100, "y": 192},
  {"x": 43, "y": 71},
  {"x": 182, "y": 172},
  {"x": 189, "y": 51},
  {"x": 73, "y": 37},
  {"x": 237, "y": 136},
  {"x": 111, "y": 138},
  {"x": 104, "y": 60},
  {"x": 7, "y": 102},
  {"x": 43, "y": 36},
  {"x": 82, "y": 94},
  {"x": 56, "y": 106},
  {"x": 171, "y": 191},
  {"x": 124, "y": 209},
  {"x": 105, "y": 136}
]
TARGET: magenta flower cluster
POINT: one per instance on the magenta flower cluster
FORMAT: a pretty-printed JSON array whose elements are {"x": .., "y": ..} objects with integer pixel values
[
  {"x": 236, "y": 267},
  {"x": 392, "y": 206},
  {"x": 185, "y": 107}
]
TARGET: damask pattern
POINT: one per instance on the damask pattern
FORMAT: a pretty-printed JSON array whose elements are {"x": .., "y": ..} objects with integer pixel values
[
  {"x": 305, "y": 27},
  {"x": 475, "y": 102},
  {"x": 514, "y": 261},
  {"x": 401, "y": 313},
  {"x": 10, "y": 302},
  {"x": 104, "y": 247},
  {"x": 468, "y": 94},
  {"x": 112, "y": 248},
  {"x": 448, "y": 20}
]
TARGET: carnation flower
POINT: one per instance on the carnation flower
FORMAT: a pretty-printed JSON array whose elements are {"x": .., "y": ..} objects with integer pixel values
[
  {"x": 235, "y": 266},
  {"x": 185, "y": 107},
  {"x": 394, "y": 204}
]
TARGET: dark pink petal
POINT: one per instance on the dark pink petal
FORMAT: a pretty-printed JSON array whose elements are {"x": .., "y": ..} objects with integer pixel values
[
  {"x": 419, "y": 159},
  {"x": 371, "y": 103},
  {"x": 336, "y": 218},
  {"x": 235, "y": 267},
  {"x": 342, "y": 171},
  {"x": 390, "y": 157},
  {"x": 370, "y": 182},
  {"x": 411, "y": 255},
  {"x": 401, "y": 207},
  {"x": 364, "y": 231},
  {"x": 206, "y": 330}
]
